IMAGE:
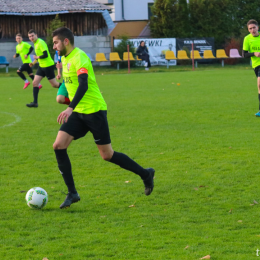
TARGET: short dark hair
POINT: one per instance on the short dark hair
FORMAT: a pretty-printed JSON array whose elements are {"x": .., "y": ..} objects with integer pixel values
[
  {"x": 32, "y": 31},
  {"x": 252, "y": 21},
  {"x": 19, "y": 35},
  {"x": 63, "y": 33}
]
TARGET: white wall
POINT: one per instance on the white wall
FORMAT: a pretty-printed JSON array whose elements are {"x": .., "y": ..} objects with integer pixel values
[
  {"x": 133, "y": 9},
  {"x": 89, "y": 44},
  {"x": 105, "y": 1}
]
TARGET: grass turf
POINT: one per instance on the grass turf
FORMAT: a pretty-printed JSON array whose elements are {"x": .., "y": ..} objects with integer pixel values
[{"x": 196, "y": 128}]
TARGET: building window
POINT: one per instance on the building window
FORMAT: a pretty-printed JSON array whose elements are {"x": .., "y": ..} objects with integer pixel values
[{"x": 150, "y": 14}]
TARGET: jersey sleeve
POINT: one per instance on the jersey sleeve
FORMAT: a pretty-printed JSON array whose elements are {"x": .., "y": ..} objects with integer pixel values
[
  {"x": 245, "y": 44},
  {"x": 17, "y": 49},
  {"x": 81, "y": 64},
  {"x": 43, "y": 46},
  {"x": 27, "y": 45}
]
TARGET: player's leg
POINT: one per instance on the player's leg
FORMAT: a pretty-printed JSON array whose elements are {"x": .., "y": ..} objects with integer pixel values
[
  {"x": 100, "y": 130},
  {"x": 73, "y": 129},
  {"x": 21, "y": 75},
  {"x": 62, "y": 95},
  {"x": 257, "y": 73},
  {"x": 30, "y": 74},
  {"x": 37, "y": 79},
  {"x": 50, "y": 75},
  {"x": 60, "y": 148},
  {"x": 258, "y": 87},
  {"x": 127, "y": 163}
]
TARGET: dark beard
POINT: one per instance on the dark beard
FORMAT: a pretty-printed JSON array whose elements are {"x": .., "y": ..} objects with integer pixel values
[{"x": 63, "y": 52}]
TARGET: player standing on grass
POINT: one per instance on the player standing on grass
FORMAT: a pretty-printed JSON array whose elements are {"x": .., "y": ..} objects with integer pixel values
[
  {"x": 251, "y": 48},
  {"x": 46, "y": 66},
  {"x": 86, "y": 112},
  {"x": 24, "y": 49}
]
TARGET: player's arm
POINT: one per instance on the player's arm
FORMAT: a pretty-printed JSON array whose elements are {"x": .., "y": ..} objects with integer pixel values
[
  {"x": 247, "y": 54},
  {"x": 43, "y": 56},
  {"x": 16, "y": 55},
  {"x": 29, "y": 52},
  {"x": 82, "y": 88},
  {"x": 33, "y": 63}
]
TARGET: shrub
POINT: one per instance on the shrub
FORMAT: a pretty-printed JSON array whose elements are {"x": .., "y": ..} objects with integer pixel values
[
  {"x": 122, "y": 47},
  {"x": 53, "y": 25},
  {"x": 233, "y": 43}
]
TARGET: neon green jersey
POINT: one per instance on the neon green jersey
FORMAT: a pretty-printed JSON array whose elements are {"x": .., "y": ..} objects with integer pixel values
[
  {"x": 252, "y": 44},
  {"x": 22, "y": 49},
  {"x": 41, "y": 46},
  {"x": 76, "y": 63}
]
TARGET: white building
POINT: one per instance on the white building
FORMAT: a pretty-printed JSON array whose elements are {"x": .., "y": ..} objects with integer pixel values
[{"x": 129, "y": 10}]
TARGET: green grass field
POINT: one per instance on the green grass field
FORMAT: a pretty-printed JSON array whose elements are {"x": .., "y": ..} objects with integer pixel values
[{"x": 196, "y": 128}]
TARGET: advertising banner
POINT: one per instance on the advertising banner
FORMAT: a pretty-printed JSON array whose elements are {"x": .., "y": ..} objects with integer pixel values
[
  {"x": 156, "y": 47},
  {"x": 200, "y": 44}
]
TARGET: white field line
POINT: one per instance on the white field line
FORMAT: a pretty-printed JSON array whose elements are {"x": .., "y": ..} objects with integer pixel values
[{"x": 17, "y": 119}]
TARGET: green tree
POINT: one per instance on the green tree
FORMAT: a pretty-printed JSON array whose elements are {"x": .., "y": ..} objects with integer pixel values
[
  {"x": 53, "y": 25},
  {"x": 122, "y": 47},
  {"x": 181, "y": 20},
  {"x": 161, "y": 23},
  {"x": 211, "y": 19}
]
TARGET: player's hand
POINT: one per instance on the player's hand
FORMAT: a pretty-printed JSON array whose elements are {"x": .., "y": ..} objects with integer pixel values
[
  {"x": 257, "y": 54},
  {"x": 35, "y": 57},
  {"x": 59, "y": 65},
  {"x": 64, "y": 116},
  {"x": 25, "y": 56},
  {"x": 58, "y": 77},
  {"x": 14, "y": 56},
  {"x": 30, "y": 64}
]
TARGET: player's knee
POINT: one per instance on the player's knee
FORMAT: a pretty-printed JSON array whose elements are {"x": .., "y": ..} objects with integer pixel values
[
  {"x": 106, "y": 157},
  {"x": 55, "y": 84},
  {"x": 56, "y": 145},
  {"x": 35, "y": 84},
  {"x": 60, "y": 99}
]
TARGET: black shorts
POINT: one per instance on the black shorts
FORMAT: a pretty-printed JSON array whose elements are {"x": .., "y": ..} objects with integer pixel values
[
  {"x": 26, "y": 67},
  {"x": 47, "y": 72},
  {"x": 257, "y": 71},
  {"x": 79, "y": 125}
]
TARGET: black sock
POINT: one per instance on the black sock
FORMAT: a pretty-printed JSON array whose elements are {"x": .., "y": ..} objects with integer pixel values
[
  {"x": 65, "y": 169},
  {"x": 35, "y": 94},
  {"x": 31, "y": 76},
  {"x": 128, "y": 164},
  {"x": 21, "y": 75}
]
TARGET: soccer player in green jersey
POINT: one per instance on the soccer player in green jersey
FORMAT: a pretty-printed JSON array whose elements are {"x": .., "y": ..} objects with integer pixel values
[
  {"x": 87, "y": 112},
  {"x": 251, "y": 48},
  {"x": 46, "y": 66},
  {"x": 24, "y": 49}
]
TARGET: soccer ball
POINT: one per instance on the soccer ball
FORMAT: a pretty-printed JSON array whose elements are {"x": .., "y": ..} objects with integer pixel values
[{"x": 36, "y": 198}]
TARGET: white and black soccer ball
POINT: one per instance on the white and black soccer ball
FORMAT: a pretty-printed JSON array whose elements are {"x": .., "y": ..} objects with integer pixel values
[{"x": 36, "y": 198}]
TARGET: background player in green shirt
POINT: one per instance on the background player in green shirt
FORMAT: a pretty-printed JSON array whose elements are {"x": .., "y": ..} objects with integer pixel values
[
  {"x": 251, "y": 48},
  {"x": 46, "y": 66},
  {"x": 23, "y": 49},
  {"x": 87, "y": 112}
]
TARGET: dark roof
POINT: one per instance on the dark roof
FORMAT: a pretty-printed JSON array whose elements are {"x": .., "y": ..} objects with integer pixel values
[{"x": 40, "y": 7}]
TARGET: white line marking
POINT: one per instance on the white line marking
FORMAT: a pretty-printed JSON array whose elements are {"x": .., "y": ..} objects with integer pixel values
[{"x": 17, "y": 119}]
